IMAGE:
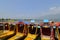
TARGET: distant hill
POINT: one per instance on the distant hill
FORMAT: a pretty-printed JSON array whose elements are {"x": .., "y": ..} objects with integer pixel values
[{"x": 54, "y": 17}]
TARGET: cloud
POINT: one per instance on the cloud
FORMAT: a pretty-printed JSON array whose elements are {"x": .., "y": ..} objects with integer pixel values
[
  {"x": 52, "y": 11},
  {"x": 52, "y": 8}
]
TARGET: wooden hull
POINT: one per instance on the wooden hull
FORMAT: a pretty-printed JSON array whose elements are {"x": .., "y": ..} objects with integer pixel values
[
  {"x": 30, "y": 37},
  {"x": 18, "y": 35}
]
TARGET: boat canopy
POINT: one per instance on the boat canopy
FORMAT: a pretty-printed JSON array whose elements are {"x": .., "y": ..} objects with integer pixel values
[
  {"x": 20, "y": 22},
  {"x": 26, "y": 22},
  {"x": 45, "y": 20},
  {"x": 32, "y": 21},
  {"x": 57, "y": 24}
]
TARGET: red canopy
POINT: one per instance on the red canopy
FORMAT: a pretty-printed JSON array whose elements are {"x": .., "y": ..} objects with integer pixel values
[
  {"x": 57, "y": 23},
  {"x": 20, "y": 23}
]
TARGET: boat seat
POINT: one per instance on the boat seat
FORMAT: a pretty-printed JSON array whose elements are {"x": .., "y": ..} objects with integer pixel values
[
  {"x": 7, "y": 34},
  {"x": 18, "y": 35},
  {"x": 30, "y": 37}
]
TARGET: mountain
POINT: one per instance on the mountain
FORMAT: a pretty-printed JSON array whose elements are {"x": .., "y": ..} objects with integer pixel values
[{"x": 53, "y": 17}]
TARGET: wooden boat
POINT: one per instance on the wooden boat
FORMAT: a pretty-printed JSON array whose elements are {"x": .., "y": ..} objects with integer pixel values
[
  {"x": 38, "y": 33},
  {"x": 6, "y": 32},
  {"x": 1, "y": 29},
  {"x": 47, "y": 32},
  {"x": 20, "y": 35},
  {"x": 31, "y": 32},
  {"x": 57, "y": 32}
]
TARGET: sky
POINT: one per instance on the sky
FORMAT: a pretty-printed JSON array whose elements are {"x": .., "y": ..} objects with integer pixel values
[{"x": 22, "y": 9}]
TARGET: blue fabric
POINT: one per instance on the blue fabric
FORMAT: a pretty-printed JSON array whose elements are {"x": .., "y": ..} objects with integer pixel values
[
  {"x": 45, "y": 20},
  {"x": 26, "y": 22},
  {"x": 20, "y": 20},
  {"x": 32, "y": 20}
]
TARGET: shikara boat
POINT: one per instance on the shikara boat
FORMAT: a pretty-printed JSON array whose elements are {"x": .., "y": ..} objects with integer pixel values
[
  {"x": 57, "y": 32},
  {"x": 20, "y": 29},
  {"x": 47, "y": 32},
  {"x": 32, "y": 32},
  {"x": 6, "y": 31}
]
